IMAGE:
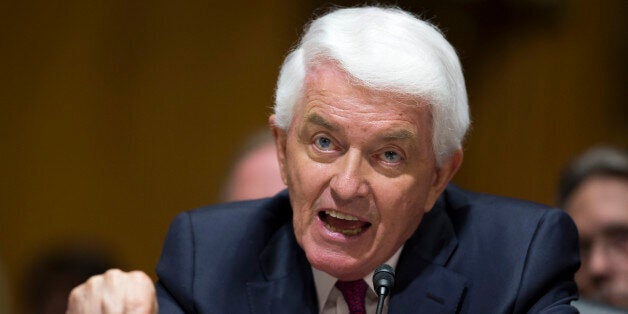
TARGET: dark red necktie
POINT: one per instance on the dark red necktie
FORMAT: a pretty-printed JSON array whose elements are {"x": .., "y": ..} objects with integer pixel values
[{"x": 354, "y": 293}]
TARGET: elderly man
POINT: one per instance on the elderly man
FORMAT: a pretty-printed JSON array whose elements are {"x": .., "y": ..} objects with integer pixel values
[
  {"x": 370, "y": 115},
  {"x": 594, "y": 191}
]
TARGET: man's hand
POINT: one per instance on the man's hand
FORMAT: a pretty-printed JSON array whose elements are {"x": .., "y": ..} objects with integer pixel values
[{"x": 114, "y": 292}]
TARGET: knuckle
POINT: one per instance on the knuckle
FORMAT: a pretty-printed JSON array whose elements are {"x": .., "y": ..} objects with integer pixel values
[
  {"x": 113, "y": 272},
  {"x": 92, "y": 282},
  {"x": 74, "y": 295},
  {"x": 139, "y": 275},
  {"x": 141, "y": 278}
]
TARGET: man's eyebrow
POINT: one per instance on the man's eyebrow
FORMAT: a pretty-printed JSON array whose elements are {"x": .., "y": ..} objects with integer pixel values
[
  {"x": 399, "y": 135},
  {"x": 615, "y": 229},
  {"x": 403, "y": 134},
  {"x": 318, "y": 120}
]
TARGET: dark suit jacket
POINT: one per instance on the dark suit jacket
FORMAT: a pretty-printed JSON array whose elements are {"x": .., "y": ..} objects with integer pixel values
[{"x": 473, "y": 253}]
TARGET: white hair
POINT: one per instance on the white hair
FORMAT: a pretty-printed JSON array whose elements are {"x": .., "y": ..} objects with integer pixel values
[{"x": 388, "y": 50}]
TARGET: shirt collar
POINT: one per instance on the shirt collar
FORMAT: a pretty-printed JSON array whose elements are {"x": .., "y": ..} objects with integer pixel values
[{"x": 325, "y": 282}]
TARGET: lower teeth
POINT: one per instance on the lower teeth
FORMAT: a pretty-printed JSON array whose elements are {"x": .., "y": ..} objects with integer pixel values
[{"x": 343, "y": 231}]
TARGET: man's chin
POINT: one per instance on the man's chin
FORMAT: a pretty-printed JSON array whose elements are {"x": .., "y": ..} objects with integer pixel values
[
  {"x": 615, "y": 298},
  {"x": 339, "y": 266},
  {"x": 620, "y": 301}
]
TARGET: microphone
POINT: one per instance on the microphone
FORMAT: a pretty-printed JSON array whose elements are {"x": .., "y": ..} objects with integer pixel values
[{"x": 383, "y": 281}]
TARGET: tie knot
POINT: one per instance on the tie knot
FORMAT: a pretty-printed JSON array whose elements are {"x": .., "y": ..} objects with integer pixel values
[{"x": 354, "y": 293}]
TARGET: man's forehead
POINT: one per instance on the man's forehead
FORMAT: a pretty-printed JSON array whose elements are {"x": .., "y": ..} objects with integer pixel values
[{"x": 392, "y": 133}]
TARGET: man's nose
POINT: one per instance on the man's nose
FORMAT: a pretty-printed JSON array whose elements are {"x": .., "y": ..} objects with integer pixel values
[
  {"x": 349, "y": 181},
  {"x": 599, "y": 260}
]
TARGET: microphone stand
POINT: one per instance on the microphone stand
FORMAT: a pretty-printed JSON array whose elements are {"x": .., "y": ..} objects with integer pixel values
[
  {"x": 383, "y": 281},
  {"x": 380, "y": 303}
]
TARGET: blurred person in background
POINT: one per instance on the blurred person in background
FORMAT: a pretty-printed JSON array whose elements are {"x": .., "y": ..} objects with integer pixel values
[
  {"x": 255, "y": 173},
  {"x": 593, "y": 189},
  {"x": 54, "y": 273}
]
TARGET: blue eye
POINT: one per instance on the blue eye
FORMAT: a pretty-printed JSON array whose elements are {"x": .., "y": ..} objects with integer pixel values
[
  {"x": 323, "y": 143},
  {"x": 391, "y": 156}
]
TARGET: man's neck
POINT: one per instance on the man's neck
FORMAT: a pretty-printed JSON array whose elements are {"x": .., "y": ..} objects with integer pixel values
[{"x": 325, "y": 283}]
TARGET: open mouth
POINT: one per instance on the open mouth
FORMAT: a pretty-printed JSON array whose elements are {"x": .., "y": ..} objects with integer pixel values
[{"x": 342, "y": 223}]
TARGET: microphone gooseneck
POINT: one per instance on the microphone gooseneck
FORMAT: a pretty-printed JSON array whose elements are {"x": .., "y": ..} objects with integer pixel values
[{"x": 383, "y": 281}]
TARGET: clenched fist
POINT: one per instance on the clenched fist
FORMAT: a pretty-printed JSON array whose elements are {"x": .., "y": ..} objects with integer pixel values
[{"x": 114, "y": 292}]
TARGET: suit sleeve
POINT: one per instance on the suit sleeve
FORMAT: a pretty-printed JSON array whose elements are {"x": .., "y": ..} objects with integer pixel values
[
  {"x": 547, "y": 284},
  {"x": 175, "y": 269}
]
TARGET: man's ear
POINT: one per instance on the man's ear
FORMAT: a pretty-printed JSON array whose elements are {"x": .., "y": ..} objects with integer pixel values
[
  {"x": 444, "y": 173},
  {"x": 280, "y": 144}
]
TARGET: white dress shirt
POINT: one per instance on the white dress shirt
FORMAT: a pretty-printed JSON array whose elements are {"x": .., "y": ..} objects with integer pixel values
[{"x": 330, "y": 299}]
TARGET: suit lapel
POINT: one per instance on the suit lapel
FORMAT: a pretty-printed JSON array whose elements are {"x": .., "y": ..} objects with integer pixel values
[
  {"x": 288, "y": 284},
  {"x": 435, "y": 289},
  {"x": 423, "y": 284}
]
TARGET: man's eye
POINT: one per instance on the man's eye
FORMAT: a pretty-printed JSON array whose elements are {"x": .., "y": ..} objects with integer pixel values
[
  {"x": 323, "y": 143},
  {"x": 391, "y": 156},
  {"x": 585, "y": 248},
  {"x": 619, "y": 240}
]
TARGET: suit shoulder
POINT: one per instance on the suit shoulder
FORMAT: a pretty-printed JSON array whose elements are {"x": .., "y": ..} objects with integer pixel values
[
  {"x": 485, "y": 218},
  {"x": 530, "y": 247},
  {"x": 500, "y": 207},
  {"x": 229, "y": 237},
  {"x": 242, "y": 215}
]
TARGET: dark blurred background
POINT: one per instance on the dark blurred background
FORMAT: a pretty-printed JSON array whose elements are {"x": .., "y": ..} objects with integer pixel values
[{"x": 116, "y": 115}]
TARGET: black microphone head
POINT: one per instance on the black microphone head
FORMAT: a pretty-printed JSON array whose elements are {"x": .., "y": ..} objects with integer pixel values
[{"x": 383, "y": 277}]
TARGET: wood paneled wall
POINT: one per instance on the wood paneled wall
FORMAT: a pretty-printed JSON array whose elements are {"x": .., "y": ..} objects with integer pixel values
[{"x": 116, "y": 115}]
